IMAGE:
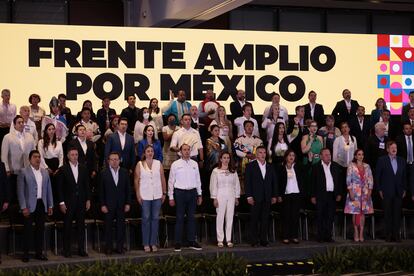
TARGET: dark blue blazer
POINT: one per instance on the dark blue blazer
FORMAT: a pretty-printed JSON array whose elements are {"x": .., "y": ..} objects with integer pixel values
[
  {"x": 114, "y": 196},
  {"x": 127, "y": 154},
  {"x": 261, "y": 189},
  {"x": 157, "y": 149},
  {"x": 387, "y": 182}
]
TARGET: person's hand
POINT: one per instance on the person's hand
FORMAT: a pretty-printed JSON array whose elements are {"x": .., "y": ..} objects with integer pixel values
[
  {"x": 139, "y": 199},
  {"x": 162, "y": 198},
  {"x": 338, "y": 198},
  {"x": 236, "y": 202},
  {"x": 279, "y": 199},
  {"x": 351, "y": 196},
  {"x": 93, "y": 174},
  {"x": 199, "y": 200},
  {"x": 215, "y": 203},
  {"x": 127, "y": 208},
  {"x": 5, "y": 206},
  {"x": 88, "y": 205},
  {"x": 381, "y": 194},
  {"x": 104, "y": 209},
  {"x": 313, "y": 200},
  {"x": 250, "y": 201},
  {"x": 171, "y": 94},
  {"x": 296, "y": 120},
  {"x": 50, "y": 211},
  {"x": 403, "y": 195},
  {"x": 26, "y": 212},
  {"x": 172, "y": 202},
  {"x": 63, "y": 208},
  {"x": 8, "y": 173}
]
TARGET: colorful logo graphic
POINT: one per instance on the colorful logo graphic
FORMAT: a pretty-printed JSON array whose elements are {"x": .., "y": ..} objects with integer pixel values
[{"x": 396, "y": 69}]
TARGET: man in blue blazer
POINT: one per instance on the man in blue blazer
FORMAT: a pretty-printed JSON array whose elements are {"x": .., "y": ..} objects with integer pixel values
[
  {"x": 261, "y": 193},
  {"x": 123, "y": 143},
  {"x": 115, "y": 199},
  {"x": 34, "y": 193},
  {"x": 391, "y": 182}
]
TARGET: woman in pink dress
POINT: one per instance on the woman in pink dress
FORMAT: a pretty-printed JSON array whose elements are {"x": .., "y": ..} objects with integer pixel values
[{"x": 358, "y": 201}]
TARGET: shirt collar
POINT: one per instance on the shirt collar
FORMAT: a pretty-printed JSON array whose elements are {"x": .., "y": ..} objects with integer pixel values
[{"x": 33, "y": 168}]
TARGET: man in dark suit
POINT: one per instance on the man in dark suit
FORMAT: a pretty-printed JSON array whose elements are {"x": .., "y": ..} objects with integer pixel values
[
  {"x": 405, "y": 146},
  {"x": 391, "y": 129},
  {"x": 123, "y": 143},
  {"x": 325, "y": 191},
  {"x": 105, "y": 114},
  {"x": 345, "y": 110},
  {"x": 313, "y": 110},
  {"x": 34, "y": 193},
  {"x": 360, "y": 127},
  {"x": 410, "y": 117},
  {"x": 86, "y": 150},
  {"x": 391, "y": 181},
  {"x": 236, "y": 106},
  {"x": 74, "y": 199},
  {"x": 406, "y": 108},
  {"x": 114, "y": 198},
  {"x": 375, "y": 146},
  {"x": 261, "y": 193},
  {"x": 4, "y": 190}
]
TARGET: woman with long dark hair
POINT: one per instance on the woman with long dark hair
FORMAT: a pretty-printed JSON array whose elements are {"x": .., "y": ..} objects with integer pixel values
[
  {"x": 214, "y": 147},
  {"x": 51, "y": 150},
  {"x": 150, "y": 189},
  {"x": 290, "y": 176},
  {"x": 149, "y": 139},
  {"x": 278, "y": 144},
  {"x": 225, "y": 192},
  {"x": 359, "y": 183}
]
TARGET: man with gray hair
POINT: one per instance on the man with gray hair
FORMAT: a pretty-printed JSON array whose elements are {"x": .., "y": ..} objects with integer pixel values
[
  {"x": 375, "y": 146},
  {"x": 7, "y": 113}
]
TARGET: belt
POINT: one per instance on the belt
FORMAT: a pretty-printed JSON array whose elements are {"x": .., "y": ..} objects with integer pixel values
[{"x": 185, "y": 190}]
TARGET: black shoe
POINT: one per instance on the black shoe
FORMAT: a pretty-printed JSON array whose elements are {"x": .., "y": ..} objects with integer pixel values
[
  {"x": 264, "y": 243},
  {"x": 67, "y": 255},
  {"x": 120, "y": 251},
  {"x": 177, "y": 247},
  {"x": 83, "y": 253},
  {"x": 41, "y": 257},
  {"x": 194, "y": 245},
  {"x": 25, "y": 259}
]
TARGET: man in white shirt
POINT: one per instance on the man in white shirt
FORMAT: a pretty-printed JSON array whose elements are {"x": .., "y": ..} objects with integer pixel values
[
  {"x": 325, "y": 192},
  {"x": 188, "y": 135},
  {"x": 247, "y": 116},
  {"x": 35, "y": 197},
  {"x": 7, "y": 113},
  {"x": 184, "y": 192}
]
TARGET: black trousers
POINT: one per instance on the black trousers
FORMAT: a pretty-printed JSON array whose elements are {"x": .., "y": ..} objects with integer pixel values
[
  {"x": 74, "y": 212},
  {"x": 325, "y": 214},
  {"x": 119, "y": 215},
  {"x": 259, "y": 221},
  {"x": 392, "y": 216},
  {"x": 3, "y": 132},
  {"x": 38, "y": 217},
  {"x": 290, "y": 215}
]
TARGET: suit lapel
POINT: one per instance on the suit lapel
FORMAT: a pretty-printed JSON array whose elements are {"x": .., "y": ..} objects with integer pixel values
[{"x": 69, "y": 169}]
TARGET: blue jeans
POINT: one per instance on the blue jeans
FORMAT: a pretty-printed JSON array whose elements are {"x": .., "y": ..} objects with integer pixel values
[
  {"x": 150, "y": 221},
  {"x": 186, "y": 203}
]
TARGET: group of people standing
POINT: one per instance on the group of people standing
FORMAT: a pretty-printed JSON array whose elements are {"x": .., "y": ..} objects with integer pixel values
[{"x": 198, "y": 156}]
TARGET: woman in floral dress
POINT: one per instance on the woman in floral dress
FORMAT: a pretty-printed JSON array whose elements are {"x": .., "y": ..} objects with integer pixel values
[{"x": 358, "y": 201}]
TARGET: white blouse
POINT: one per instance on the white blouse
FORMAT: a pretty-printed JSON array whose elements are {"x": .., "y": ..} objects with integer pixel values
[
  {"x": 150, "y": 187},
  {"x": 343, "y": 152},
  {"x": 51, "y": 152},
  {"x": 223, "y": 182}
]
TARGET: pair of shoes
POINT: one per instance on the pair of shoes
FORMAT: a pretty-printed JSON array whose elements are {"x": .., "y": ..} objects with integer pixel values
[
  {"x": 147, "y": 249},
  {"x": 295, "y": 241},
  {"x": 154, "y": 248},
  {"x": 177, "y": 247},
  {"x": 41, "y": 257},
  {"x": 220, "y": 244},
  {"x": 264, "y": 243},
  {"x": 230, "y": 245},
  {"x": 286, "y": 241},
  {"x": 83, "y": 253},
  {"x": 25, "y": 259},
  {"x": 194, "y": 245}
]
